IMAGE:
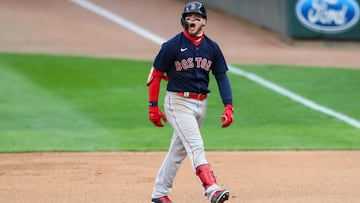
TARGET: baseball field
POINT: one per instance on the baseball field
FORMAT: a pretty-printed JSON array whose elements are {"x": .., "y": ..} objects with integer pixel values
[{"x": 73, "y": 108}]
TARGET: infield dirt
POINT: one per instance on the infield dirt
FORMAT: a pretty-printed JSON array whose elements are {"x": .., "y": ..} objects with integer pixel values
[{"x": 61, "y": 27}]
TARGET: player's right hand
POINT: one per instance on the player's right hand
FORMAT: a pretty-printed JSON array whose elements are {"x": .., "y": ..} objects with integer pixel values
[{"x": 155, "y": 116}]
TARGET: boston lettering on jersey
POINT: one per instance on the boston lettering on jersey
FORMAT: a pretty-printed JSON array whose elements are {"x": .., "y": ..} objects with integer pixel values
[
  {"x": 191, "y": 62},
  {"x": 188, "y": 66}
]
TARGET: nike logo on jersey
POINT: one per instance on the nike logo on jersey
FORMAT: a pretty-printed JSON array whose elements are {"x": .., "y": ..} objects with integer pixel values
[{"x": 183, "y": 49}]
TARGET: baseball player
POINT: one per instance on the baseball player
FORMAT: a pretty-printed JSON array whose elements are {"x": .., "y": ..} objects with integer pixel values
[{"x": 186, "y": 61}]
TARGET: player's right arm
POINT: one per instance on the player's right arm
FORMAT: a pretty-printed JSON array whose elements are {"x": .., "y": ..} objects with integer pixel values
[{"x": 153, "y": 83}]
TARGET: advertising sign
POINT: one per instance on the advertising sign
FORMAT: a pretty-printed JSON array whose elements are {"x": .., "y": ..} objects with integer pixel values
[{"x": 328, "y": 16}]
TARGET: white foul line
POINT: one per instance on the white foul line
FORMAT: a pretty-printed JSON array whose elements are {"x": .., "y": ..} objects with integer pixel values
[
  {"x": 295, "y": 97},
  {"x": 119, "y": 20},
  {"x": 158, "y": 40}
]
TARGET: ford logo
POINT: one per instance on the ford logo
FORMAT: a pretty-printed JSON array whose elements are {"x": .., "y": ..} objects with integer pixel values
[{"x": 328, "y": 16}]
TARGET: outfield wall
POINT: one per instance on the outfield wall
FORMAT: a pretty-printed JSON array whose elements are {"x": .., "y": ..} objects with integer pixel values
[{"x": 309, "y": 19}]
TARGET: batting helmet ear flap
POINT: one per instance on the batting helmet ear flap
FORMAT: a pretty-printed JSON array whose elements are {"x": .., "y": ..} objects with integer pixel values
[{"x": 184, "y": 24}]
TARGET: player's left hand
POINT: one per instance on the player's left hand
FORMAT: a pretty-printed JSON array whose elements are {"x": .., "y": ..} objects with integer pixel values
[{"x": 228, "y": 116}]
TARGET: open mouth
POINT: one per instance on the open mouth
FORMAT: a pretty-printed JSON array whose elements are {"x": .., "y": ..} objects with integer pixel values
[{"x": 192, "y": 25}]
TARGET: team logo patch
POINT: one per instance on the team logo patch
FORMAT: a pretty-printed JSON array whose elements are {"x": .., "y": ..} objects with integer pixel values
[
  {"x": 328, "y": 16},
  {"x": 192, "y": 7}
]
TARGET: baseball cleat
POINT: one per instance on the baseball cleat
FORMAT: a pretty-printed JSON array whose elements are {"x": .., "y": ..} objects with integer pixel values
[
  {"x": 164, "y": 199},
  {"x": 220, "y": 196}
]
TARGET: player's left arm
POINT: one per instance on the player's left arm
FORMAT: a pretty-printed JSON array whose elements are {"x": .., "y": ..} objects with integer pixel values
[
  {"x": 226, "y": 96},
  {"x": 219, "y": 69}
]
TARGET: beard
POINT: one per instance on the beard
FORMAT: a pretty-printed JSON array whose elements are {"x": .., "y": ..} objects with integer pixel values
[{"x": 193, "y": 30}]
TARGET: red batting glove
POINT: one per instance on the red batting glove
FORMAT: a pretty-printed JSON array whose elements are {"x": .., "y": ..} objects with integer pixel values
[
  {"x": 228, "y": 116},
  {"x": 155, "y": 116}
]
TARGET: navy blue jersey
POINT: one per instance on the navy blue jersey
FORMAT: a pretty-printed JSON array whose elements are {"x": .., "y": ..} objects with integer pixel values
[{"x": 187, "y": 65}]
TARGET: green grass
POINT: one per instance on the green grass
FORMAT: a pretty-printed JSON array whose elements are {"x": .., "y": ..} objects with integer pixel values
[{"x": 63, "y": 103}]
